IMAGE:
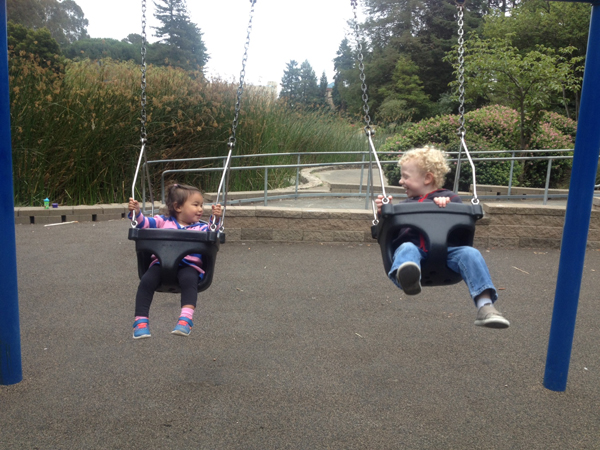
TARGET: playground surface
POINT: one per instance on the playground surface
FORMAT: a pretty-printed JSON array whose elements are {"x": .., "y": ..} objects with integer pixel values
[{"x": 295, "y": 346}]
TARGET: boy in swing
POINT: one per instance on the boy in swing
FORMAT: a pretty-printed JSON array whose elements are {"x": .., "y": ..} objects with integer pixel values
[{"x": 423, "y": 172}]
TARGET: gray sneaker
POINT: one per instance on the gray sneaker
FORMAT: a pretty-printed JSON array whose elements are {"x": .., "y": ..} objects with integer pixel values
[
  {"x": 490, "y": 317},
  {"x": 408, "y": 276}
]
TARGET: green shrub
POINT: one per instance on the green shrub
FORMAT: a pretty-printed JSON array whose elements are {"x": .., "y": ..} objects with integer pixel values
[{"x": 490, "y": 128}]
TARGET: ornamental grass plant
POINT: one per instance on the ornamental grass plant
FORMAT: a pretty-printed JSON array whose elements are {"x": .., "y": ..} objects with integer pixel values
[{"x": 76, "y": 131}]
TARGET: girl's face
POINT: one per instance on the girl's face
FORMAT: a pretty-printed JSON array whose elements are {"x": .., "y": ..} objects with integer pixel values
[
  {"x": 414, "y": 180},
  {"x": 191, "y": 211}
]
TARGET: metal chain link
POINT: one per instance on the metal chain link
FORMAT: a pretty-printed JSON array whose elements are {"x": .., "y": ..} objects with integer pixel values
[
  {"x": 240, "y": 89},
  {"x": 370, "y": 132},
  {"x": 461, "y": 131},
  {"x": 224, "y": 183},
  {"x": 143, "y": 117},
  {"x": 461, "y": 71},
  {"x": 143, "y": 134},
  {"x": 361, "y": 67}
]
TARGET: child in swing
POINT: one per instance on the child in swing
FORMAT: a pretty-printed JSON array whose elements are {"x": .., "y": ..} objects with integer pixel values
[
  {"x": 423, "y": 172},
  {"x": 184, "y": 204}
]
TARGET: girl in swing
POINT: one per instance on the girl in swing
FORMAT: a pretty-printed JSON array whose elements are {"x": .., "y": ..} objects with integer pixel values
[
  {"x": 184, "y": 204},
  {"x": 423, "y": 172}
]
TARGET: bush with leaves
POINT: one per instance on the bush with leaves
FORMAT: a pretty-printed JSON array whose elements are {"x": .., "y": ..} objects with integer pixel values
[
  {"x": 548, "y": 135},
  {"x": 489, "y": 128}
]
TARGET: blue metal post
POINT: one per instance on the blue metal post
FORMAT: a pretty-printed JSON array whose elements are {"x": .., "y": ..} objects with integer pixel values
[
  {"x": 10, "y": 339},
  {"x": 577, "y": 219}
]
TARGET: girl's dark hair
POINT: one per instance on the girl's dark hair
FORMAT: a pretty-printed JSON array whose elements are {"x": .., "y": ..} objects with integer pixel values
[{"x": 177, "y": 194}]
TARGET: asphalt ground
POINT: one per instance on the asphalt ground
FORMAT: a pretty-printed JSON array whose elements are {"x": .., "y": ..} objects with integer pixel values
[{"x": 295, "y": 346}]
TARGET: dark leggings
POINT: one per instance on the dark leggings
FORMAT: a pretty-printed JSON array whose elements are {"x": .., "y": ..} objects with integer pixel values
[{"x": 188, "y": 282}]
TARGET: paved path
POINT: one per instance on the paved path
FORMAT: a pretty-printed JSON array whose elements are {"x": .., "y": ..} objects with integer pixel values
[
  {"x": 351, "y": 178},
  {"x": 296, "y": 346}
]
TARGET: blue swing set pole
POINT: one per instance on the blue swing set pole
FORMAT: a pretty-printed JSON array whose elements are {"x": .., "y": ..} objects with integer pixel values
[
  {"x": 10, "y": 339},
  {"x": 577, "y": 217}
]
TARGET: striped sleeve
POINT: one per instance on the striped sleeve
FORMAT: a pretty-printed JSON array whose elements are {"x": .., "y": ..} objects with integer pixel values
[{"x": 149, "y": 222}]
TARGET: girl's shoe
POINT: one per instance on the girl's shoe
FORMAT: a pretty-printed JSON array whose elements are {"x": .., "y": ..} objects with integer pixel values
[
  {"x": 141, "y": 329},
  {"x": 183, "y": 327}
]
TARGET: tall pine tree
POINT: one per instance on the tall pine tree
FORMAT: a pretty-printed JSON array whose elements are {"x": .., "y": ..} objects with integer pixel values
[
  {"x": 290, "y": 83},
  {"x": 181, "y": 42},
  {"x": 308, "y": 89},
  {"x": 323, "y": 84},
  {"x": 343, "y": 64}
]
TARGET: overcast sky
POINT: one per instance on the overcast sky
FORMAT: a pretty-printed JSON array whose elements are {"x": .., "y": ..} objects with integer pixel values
[{"x": 282, "y": 30}]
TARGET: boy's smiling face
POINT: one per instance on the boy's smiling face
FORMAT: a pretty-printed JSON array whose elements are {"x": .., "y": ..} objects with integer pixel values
[{"x": 415, "y": 181}]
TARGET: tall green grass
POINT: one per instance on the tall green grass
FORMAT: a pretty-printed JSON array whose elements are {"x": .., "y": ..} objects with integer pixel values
[{"x": 76, "y": 135}]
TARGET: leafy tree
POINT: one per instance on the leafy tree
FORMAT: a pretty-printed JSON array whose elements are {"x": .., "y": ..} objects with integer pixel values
[
  {"x": 552, "y": 24},
  {"x": 526, "y": 82},
  {"x": 404, "y": 97},
  {"x": 103, "y": 48},
  {"x": 40, "y": 43},
  {"x": 133, "y": 38},
  {"x": 541, "y": 22},
  {"x": 181, "y": 39},
  {"x": 290, "y": 83},
  {"x": 65, "y": 19},
  {"x": 29, "y": 13},
  {"x": 424, "y": 30}
]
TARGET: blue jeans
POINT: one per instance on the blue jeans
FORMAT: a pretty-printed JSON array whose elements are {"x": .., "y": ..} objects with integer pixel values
[{"x": 464, "y": 260}]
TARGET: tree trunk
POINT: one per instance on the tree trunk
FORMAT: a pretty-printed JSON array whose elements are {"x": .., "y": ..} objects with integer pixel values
[
  {"x": 566, "y": 103},
  {"x": 522, "y": 125}
]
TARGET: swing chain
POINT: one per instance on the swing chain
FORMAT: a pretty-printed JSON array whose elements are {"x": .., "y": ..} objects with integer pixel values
[
  {"x": 361, "y": 66},
  {"x": 461, "y": 98},
  {"x": 240, "y": 90},
  {"x": 461, "y": 71},
  {"x": 143, "y": 133},
  {"x": 143, "y": 95}
]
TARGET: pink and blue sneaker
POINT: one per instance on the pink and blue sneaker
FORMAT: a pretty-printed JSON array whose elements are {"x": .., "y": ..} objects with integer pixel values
[
  {"x": 183, "y": 327},
  {"x": 141, "y": 329}
]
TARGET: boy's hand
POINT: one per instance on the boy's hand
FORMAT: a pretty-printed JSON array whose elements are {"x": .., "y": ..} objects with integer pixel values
[
  {"x": 217, "y": 210},
  {"x": 441, "y": 201},
  {"x": 134, "y": 205},
  {"x": 379, "y": 202}
]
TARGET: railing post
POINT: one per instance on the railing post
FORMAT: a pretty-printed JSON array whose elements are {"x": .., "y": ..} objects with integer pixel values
[
  {"x": 297, "y": 176},
  {"x": 369, "y": 181},
  {"x": 362, "y": 170},
  {"x": 10, "y": 332},
  {"x": 266, "y": 184},
  {"x": 547, "y": 181},
  {"x": 457, "y": 175},
  {"x": 510, "y": 177}
]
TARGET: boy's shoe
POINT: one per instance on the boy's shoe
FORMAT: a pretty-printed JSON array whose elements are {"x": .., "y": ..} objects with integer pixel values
[
  {"x": 141, "y": 329},
  {"x": 490, "y": 317},
  {"x": 408, "y": 276},
  {"x": 183, "y": 327}
]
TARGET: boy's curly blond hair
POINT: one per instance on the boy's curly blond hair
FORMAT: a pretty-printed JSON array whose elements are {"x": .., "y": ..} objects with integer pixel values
[{"x": 429, "y": 159}]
